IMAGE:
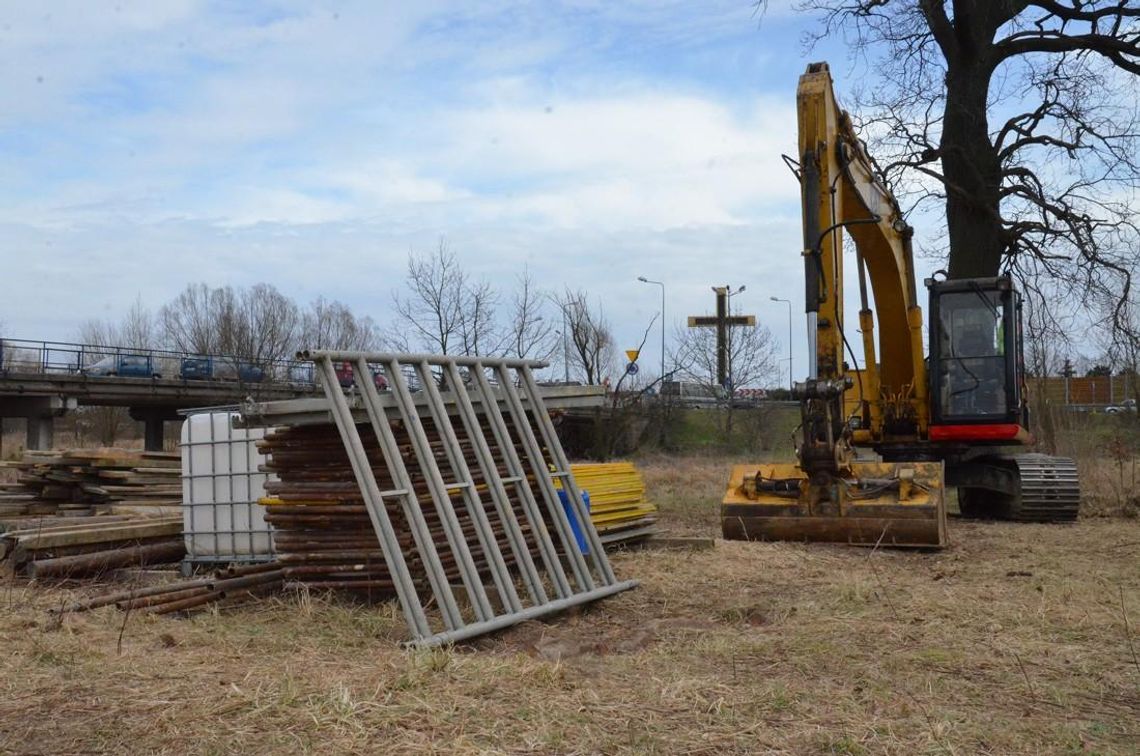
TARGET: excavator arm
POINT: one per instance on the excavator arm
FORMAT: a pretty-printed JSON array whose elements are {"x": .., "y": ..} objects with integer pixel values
[
  {"x": 842, "y": 193},
  {"x": 830, "y": 494}
]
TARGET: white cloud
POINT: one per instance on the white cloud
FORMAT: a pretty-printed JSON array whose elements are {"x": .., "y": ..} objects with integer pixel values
[
  {"x": 632, "y": 132},
  {"x": 314, "y": 147},
  {"x": 655, "y": 161}
]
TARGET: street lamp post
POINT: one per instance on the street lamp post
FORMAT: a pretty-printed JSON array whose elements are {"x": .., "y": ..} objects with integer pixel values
[
  {"x": 643, "y": 279},
  {"x": 790, "y": 362}
]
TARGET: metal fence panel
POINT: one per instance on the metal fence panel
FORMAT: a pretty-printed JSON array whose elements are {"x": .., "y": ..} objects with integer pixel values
[{"x": 488, "y": 487}]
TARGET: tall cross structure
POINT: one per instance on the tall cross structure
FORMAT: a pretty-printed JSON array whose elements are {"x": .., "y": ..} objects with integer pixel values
[{"x": 722, "y": 321}]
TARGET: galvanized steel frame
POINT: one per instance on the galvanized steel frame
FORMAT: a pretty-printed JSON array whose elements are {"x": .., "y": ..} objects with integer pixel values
[{"x": 592, "y": 580}]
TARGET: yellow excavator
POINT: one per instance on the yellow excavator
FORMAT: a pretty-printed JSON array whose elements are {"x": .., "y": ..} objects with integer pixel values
[{"x": 881, "y": 441}]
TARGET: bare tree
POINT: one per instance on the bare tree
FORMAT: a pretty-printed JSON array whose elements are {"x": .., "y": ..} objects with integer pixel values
[
  {"x": 15, "y": 358},
  {"x": 1122, "y": 345},
  {"x": 267, "y": 325},
  {"x": 752, "y": 361},
  {"x": 752, "y": 355},
  {"x": 591, "y": 340},
  {"x": 333, "y": 325},
  {"x": 199, "y": 319},
  {"x": 478, "y": 329},
  {"x": 1045, "y": 342},
  {"x": 137, "y": 330},
  {"x": 531, "y": 333},
  {"x": 259, "y": 324},
  {"x": 618, "y": 427},
  {"x": 1045, "y": 188},
  {"x": 444, "y": 311}
]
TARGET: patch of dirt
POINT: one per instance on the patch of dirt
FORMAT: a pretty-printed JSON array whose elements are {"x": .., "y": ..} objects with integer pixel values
[{"x": 561, "y": 642}]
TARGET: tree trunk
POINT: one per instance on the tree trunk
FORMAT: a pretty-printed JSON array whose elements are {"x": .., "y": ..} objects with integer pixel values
[{"x": 973, "y": 175}]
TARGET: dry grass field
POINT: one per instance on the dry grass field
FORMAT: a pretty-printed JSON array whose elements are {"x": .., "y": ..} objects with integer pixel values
[{"x": 1017, "y": 639}]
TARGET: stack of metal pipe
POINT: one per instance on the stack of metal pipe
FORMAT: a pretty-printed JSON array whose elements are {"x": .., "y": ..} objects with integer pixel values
[{"x": 322, "y": 532}]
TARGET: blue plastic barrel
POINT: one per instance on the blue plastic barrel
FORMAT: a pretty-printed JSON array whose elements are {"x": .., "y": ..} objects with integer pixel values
[{"x": 572, "y": 516}]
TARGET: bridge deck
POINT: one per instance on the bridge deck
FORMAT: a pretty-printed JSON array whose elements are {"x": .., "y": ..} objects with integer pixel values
[{"x": 172, "y": 393}]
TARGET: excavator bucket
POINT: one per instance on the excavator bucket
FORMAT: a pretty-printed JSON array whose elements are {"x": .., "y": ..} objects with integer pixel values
[{"x": 897, "y": 504}]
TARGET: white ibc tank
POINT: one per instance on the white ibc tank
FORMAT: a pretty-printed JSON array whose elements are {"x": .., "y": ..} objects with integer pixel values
[{"x": 221, "y": 484}]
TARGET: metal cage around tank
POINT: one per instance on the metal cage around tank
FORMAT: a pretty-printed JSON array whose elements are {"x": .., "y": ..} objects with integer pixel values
[{"x": 222, "y": 482}]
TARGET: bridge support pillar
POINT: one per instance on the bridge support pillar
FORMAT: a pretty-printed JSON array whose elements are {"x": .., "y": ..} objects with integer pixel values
[
  {"x": 153, "y": 434},
  {"x": 40, "y": 412},
  {"x": 153, "y": 420},
  {"x": 40, "y": 434}
]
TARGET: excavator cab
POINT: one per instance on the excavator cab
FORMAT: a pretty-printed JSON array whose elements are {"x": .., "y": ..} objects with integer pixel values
[{"x": 976, "y": 369}]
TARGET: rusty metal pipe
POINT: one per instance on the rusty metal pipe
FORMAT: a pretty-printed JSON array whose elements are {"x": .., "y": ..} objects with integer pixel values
[
  {"x": 245, "y": 582},
  {"x": 162, "y": 598},
  {"x": 86, "y": 564},
  {"x": 113, "y": 598},
  {"x": 233, "y": 571},
  {"x": 188, "y": 603}
]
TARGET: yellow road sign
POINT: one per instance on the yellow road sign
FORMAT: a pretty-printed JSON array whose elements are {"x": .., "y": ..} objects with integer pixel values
[{"x": 632, "y": 354}]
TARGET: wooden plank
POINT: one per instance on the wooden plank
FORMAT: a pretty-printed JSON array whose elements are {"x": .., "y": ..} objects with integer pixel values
[{"x": 31, "y": 540}]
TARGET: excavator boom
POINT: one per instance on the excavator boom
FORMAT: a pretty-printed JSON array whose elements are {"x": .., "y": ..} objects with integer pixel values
[{"x": 832, "y": 494}]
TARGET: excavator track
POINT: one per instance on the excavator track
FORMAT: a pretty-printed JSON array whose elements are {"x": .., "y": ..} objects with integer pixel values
[
  {"x": 1050, "y": 489},
  {"x": 1044, "y": 489}
]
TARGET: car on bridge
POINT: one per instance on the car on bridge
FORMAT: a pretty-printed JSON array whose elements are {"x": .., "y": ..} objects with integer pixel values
[
  {"x": 196, "y": 369},
  {"x": 246, "y": 372},
  {"x": 344, "y": 376},
  {"x": 220, "y": 368},
  {"x": 124, "y": 366}
]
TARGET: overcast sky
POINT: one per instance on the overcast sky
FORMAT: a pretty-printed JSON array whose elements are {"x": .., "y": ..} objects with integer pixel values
[{"x": 147, "y": 145}]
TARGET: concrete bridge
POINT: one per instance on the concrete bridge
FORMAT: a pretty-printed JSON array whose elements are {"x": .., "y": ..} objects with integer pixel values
[
  {"x": 41, "y": 381},
  {"x": 40, "y": 398}
]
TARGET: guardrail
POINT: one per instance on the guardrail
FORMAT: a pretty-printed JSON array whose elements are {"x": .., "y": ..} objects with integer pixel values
[{"x": 69, "y": 359}]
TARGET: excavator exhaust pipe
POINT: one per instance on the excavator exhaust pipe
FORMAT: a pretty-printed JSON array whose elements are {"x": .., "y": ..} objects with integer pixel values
[{"x": 869, "y": 504}]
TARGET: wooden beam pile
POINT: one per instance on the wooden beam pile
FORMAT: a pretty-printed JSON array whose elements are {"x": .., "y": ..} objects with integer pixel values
[
  {"x": 90, "y": 481},
  {"x": 67, "y": 548}
]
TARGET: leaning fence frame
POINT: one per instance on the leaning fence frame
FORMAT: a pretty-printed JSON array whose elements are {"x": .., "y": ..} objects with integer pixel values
[{"x": 586, "y": 581}]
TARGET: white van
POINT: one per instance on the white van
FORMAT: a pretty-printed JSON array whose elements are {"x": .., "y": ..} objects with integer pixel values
[{"x": 693, "y": 394}]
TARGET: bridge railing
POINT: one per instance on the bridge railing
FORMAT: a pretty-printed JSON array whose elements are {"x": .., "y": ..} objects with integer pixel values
[
  {"x": 24, "y": 356},
  {"x": 68, "y": 358}
]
